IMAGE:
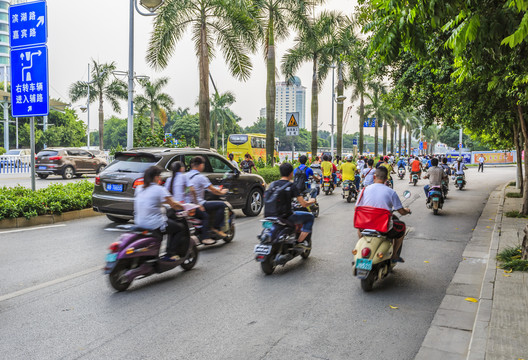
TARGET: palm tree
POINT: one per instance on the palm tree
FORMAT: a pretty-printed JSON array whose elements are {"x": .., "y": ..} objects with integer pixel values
[
  {"x": 154, "y": 101},
  {"x": 229, "y": 24},
  {"x": 312, "y": 44},
  {"x": 102, "y": 88},
  {"x": 378, "y": 110},
  {"x": 413, "y": 123},
  {"x": 276, "y": 18},
  {"x": 221, "y": 113},
  {"x": 360, "y": 82}
]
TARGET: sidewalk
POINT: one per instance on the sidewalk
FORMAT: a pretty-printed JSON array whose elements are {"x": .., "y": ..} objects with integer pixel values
[{"x": 495, "y": 327}]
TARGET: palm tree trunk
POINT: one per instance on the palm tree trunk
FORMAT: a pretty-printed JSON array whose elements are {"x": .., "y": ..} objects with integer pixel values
[
  {"x": 101, "y": 122},
  {"x": 376, "y": 137},
  {"x": 361, "y": 122},
  {"x": 385, "y": 138},
  {"x": 215, "y": 126},
  {"x": 340, "y": 87},
  {"x": 315, "y": 108},
  {"x": 519, "y": 156},
  {"x": 203, "y": 101},
  {"x": 409, "y": 139},
  {"x": 270, "y": 96},
  {"x": 393, "y": 132},
  {"x": 400, "y": 128},
  {"x": 152, "y": 120}
]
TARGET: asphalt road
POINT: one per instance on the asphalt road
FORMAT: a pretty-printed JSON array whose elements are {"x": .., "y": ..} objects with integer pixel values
[{"x": 55, "y": 303}]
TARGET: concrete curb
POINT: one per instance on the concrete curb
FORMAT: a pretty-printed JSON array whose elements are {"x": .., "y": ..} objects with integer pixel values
[
  {"x": 47, "y": 219},
  {"x": 459, "y": 329}
]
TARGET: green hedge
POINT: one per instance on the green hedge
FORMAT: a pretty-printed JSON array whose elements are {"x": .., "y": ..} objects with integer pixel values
[
  {"x": 55, "y": 199},
  {"x": 270, "y": 174}
]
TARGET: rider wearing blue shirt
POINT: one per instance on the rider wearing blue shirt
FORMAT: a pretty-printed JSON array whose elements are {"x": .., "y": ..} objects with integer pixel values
[
  {"x": 401, "y": 163},
  {"x": 309, "y": 173}
]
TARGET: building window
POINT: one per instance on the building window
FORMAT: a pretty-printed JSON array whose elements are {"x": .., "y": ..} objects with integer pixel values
[
  {"x": 4, "y": 6},
  {"x": 4, "y": 60},
  {"x": 4, "y": 17},
  {"x": 4, "y": 27}
]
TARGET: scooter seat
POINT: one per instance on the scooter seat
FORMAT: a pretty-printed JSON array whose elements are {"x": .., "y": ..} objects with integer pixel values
[{"x": 280, "y": 221}]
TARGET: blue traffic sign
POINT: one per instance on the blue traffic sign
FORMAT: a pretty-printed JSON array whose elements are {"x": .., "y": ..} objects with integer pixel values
[
  {"x": 28, "y": 24},
  {"x": 354, "y": 141},
  {"x": 370, "y": 122},
  {"x": 421, "y": 145},
  {"x": 29, "y": 81}
]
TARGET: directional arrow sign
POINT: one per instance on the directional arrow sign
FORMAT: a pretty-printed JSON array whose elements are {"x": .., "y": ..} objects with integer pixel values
[
  {"x": 28, "y": 24},
  {"x": 29, "y": 86}
]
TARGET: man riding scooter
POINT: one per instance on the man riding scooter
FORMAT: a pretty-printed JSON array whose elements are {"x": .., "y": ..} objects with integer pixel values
[
  {"x": 435, "y": 174},
  {"x": 329, "y": 171}
]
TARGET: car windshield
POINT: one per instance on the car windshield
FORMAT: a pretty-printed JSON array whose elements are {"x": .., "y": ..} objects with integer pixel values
[
  {"x": 13, "y": 152},
  {"x": 132, "y": 163},
  {"x": 47, "y": 153}
]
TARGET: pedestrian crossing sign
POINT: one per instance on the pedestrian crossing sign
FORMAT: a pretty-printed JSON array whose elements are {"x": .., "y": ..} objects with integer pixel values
[{"x": 293, "y": 121}]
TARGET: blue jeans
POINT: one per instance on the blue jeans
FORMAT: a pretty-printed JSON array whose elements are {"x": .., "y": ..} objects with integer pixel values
[
  {"x": 304, "y": 218},
  {"x": 426, "y": 189},
  {"x": 357, "y": 179}
]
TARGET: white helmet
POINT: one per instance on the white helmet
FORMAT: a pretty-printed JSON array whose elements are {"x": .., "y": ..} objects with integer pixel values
[{"x": 349, "y": 158}]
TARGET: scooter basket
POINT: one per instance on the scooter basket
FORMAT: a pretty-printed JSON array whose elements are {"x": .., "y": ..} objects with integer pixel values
[{"x": 368, "y": 217}]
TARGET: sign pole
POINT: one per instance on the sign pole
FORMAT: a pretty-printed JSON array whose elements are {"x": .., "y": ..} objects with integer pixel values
[
  {"x": 293, "y": 148},
  {"x": 32, "y": 144}
]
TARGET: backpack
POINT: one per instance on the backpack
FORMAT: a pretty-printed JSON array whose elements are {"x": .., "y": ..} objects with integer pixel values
[
  {"x": 246, "y": 166},
  {"x": 300, "y": 178},
  {"x": 275, "y": 200}
]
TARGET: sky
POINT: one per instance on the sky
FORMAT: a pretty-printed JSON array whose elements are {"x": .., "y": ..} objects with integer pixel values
[{"x": 81, "y": 30}]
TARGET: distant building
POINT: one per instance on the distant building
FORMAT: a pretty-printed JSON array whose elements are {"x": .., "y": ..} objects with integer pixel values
[
  {"x": 4, "y": 39},
  {"x": 263, "y": 112},
  {"x": 291, "y": 97}
]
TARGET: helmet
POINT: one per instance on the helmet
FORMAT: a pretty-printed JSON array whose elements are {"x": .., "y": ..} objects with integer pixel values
[
  {"x": 349, "y": 158},
  {"x": 386, "y": 158},
  {"x": 459, "y": 159}
]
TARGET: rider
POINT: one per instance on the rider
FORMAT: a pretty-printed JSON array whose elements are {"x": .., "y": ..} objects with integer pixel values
[
  {"x": 389, "y": 169},
  {"x": 416, "y": 168},
  {"x": 179, "y": 186},
  {"x": 200, "y": 184},
  {"x": 328, "y": 168},
  {"x": 378, "y": 195},
  {"x": 401, "y": 163},
  {"x": 309, "y": 173},
  {"x": 459, "y": 167},
  {"x": 435, "y": 174},
  {"x": 148, "y": 202},
  {"x": 368, "y": 173},
  {"x": 289, "y": 193},
  {"x": 349, "y": 171},
  {"x": 248, "y": 165}
]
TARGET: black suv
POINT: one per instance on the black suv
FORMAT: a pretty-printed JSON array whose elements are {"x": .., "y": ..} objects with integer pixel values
[{"x": 114, "y": 188}]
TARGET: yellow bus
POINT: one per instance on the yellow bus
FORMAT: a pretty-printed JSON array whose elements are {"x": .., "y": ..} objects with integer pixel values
[{"x": 252, "y": 144}]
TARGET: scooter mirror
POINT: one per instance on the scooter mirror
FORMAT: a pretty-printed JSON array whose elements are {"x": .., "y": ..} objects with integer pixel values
[{"x": 407, "y": 194}]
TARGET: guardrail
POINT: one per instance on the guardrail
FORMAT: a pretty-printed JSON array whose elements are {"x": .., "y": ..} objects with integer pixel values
[{"x": 15, "y": 164}]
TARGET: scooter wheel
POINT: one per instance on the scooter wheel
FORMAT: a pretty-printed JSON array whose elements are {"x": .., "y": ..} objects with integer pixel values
[
  {"x": 349, "y": 199},
  {"x": 116, "y": 277},
  {"x": 191, "y": 260},
  {"x": 306, "y": 253},
  {"x": 268, "y": 265},
  {"x": 230, "y": 234},
  {"x": 368, "y": 283},
  {"x": 435, "y": 211}
]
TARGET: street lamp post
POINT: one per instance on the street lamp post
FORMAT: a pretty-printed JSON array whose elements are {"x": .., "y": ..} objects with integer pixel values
[
  {"x": 333, "y": 66},
  {"x": 151, "y": 6}
]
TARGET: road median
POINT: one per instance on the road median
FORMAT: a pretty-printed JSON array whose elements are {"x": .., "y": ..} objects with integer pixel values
[{"x": 47, "y": 219}]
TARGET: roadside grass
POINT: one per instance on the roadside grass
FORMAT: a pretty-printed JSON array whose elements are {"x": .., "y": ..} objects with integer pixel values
[
  {"x": 513, "y": 183},
  {"x": 515, "y": 214},
  {"x": 510, "y": 259},
  {"x": 514, "y": 195}
]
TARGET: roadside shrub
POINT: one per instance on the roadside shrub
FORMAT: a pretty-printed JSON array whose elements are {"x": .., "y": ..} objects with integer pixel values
[
  {"x": 515, "y": 214},
  {"x": 2, "y": 151},
  {"x": 20, "y": 201},
  {"x": 270, "y": 174},
  {"x": 510, "y": 259},
  {"x": 513, "y": 183},
  {"x": 514, "y": 195}
]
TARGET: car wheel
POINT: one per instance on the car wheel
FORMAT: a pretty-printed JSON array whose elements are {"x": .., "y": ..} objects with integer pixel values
[
  {"x": 78, "y": 175},
  {"x": 43, "y": 176},
  {"x": 117, "y": 219},
  {"x": 254, "y": 203},
  {"x": 68, "y": 173},
  {"x": 100, "y": 169}
]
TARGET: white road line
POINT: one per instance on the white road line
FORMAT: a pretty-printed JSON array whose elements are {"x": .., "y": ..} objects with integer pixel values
[
  {"x": 49, "y": 283},
  {"x": 32, "y": 229}
]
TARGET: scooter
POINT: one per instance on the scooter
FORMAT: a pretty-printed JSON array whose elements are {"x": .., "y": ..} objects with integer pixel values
[
  {"x": 278, "y": 241},
  {"x": 372, "y": 256},
  {"x": 459, "y": 181},
  {"x": 228, "y": 229},
  {"x": 435, "y": 199},
  {"x": 314, "y": 209},
  {"x": 415, "y": 179},
  {"x": 137, "y": 255},
  {"x": 339, "y": 179},
  {"x": 401, "y": 172},
  {"x": 445, "y": 188},
  {"x": 328, "y": 186},
  {"x": 349, "y": 191}
]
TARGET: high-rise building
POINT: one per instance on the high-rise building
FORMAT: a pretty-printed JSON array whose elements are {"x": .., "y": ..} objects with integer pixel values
[
  {"x": 4, "y": 39},
  {"x": 291, "y": 97},
  {"x": 263, "y": 112}
]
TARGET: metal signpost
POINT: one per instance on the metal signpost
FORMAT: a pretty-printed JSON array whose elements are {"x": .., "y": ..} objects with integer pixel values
[
  {"x": 28, "y": 27},
  {"x": 292, "y": 128}
]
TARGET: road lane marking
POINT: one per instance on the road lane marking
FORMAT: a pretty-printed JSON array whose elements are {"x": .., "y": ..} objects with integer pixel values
[
  {"x": 32, "y": 229},
  {"x": 49, "y": 283}
]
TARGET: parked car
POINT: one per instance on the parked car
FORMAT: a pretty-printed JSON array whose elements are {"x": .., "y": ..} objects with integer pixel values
[
  {"x": 68, "y": 162},
  {"x": 114, "y": 189},
  {"x": 16, "y": 158}
]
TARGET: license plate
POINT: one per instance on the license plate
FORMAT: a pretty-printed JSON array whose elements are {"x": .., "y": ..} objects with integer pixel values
[
  {"x": 326, "y": 185},
  {"x": 267, "y": 224},
  {"x": 436, "y": 199},
  {"x": 262, "y": 249},
  {"x": 364, "y": 264},
  {"x": 460, "y": 181},
  {"x": 42, "y": 168},
  {"x": 114, "y": 187},
  {"x": 111, "y": 257},
  {"x": 346, "y": 193}
]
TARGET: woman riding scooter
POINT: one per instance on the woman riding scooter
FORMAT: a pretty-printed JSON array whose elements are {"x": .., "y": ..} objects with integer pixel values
[{"x": 148, "y": 203}]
